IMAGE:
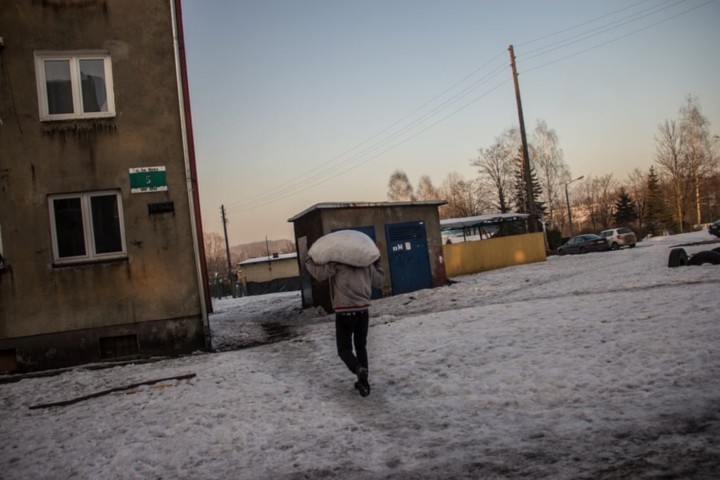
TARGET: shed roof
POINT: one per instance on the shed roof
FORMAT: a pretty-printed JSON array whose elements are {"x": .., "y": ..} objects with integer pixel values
[
  {"x": 490, "y": 219},
  {"x": 345, "y": 205},
  {"x": 271, "y": 258}
]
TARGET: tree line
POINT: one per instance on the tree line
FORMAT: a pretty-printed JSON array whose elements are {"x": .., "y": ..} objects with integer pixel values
[
  {"x": 679, "y": 191},
  {"x": 216, "y": 253}
]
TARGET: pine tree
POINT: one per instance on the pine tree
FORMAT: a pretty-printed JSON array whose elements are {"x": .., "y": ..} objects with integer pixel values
[
  {"x": 540, "y": 207},
  {"x": 520, "y": 200},
  {"x": 625, "y": 209}
]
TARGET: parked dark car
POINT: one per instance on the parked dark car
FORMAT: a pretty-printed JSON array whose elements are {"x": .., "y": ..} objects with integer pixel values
[
  {"x": 714, "y": 228},
  {"x": 588, "y": 242}
]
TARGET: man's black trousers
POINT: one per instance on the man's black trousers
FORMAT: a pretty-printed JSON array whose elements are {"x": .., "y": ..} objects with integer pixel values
[{"x": 351, "y": 329}]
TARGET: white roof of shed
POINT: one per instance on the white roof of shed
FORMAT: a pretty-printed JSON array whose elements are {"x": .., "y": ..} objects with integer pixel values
[
  {"x": 490, "y": 219},
  {"x": 282, "y": 256}
]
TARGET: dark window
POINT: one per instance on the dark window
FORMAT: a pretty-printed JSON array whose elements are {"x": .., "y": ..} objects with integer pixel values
[
  {"x": 106, "y": 224},
  {"x": 59, "y": 86},
  {"x": 87, "y": 226},
  {"x": 94, "y": 95},
  {"x": 69, "y": 227}
]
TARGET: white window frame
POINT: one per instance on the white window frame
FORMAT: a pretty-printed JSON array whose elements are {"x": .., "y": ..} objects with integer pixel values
[
  {"x": 73, "y": 57},
  {"x": 2, "y": 258},
  {"x": 89, "y": 234}
]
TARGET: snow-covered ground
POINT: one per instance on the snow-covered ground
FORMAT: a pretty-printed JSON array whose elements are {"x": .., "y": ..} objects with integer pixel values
[{"x": 605, "y": 365}]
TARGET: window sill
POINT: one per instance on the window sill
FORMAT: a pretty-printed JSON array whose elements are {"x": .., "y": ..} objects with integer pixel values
[
  {"x": 77, "y": 118},
  {"x": 79, "y": 126},
  {"x": 88, "y": 263}
]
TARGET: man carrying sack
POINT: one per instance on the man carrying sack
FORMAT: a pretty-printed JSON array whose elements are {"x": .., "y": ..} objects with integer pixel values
[{"x": 351, "y": 261}]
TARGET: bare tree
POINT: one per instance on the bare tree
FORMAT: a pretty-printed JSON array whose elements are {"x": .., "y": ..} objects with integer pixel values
[
  {"x": 607, "y": 194},
  {"x": 697, "y": 150},
  {"x": 496, "y": 173},
  {"x": 426, "y": 190},
  {"x": 465, "y": 198},
  {"x": 547, "y": 158},
  {"x": 597, "y": 197},
  {"x": 637, "y": 187},
  {"x": 399, "y": 187},
  {"x": 686, "y": 159},
  {"x": 669, "y": 146},
  {"x": 215, "y": 254},
  {"x": 496, "y": 168},
  {"x": 586, "y": 191}
]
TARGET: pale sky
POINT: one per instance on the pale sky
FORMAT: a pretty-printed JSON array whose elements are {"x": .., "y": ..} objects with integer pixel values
[{"x": 300, "y": 102}]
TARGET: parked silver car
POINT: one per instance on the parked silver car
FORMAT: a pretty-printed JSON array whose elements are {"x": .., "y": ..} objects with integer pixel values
[{"x": 619, "y": 237}]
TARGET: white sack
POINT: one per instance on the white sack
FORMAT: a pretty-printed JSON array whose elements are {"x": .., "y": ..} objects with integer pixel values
[{"x": 345, "y": 246}]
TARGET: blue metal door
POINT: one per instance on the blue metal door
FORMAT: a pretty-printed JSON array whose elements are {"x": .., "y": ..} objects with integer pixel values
[{"x": 408, "y": 257}]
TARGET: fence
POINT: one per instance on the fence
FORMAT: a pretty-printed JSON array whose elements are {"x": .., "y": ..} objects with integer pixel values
[{"x": 478, "y": 256}]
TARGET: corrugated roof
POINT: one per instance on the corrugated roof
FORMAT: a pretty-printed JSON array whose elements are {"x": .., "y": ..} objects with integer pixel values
[
  {"x": 490, "y": 219},
  {"x": 339, "y": 205}
]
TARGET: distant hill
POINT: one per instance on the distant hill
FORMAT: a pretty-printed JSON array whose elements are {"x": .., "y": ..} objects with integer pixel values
[{"x": 260, "y": 249}]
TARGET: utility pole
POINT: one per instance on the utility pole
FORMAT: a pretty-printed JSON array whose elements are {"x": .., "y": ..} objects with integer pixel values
[
  {"x": 526, "y": 155},
  {"x": 567, "y": 200},
  {"x": 227, "y": 245}
]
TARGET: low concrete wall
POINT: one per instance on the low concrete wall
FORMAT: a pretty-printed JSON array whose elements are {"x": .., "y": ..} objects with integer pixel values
[{"x": 472, "y": 257}]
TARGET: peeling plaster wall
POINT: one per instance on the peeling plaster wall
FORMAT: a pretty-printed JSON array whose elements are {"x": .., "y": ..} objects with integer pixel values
[{"x": 158, "y": 279}]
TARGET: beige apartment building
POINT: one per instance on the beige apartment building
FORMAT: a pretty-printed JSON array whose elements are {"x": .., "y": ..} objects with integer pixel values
[{"x": 100, "y": 231}]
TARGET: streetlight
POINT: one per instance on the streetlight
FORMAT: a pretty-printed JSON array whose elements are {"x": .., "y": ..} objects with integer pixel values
[{"x": 567, "y": 200}]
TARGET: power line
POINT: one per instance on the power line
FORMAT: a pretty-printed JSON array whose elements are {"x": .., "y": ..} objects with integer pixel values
[
  {"x": 300, "y": 183},
  {"x": 599, "y": 30},
  {"x": 606, "y": 42},
  {"x": 367, "y": 151},
  {"x": 378, "y": 154},
  {"x": 307, "y": 174},
  {"x": 543, "y": 37}
]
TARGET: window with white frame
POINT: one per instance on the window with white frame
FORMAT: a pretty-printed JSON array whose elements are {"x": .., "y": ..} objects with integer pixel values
[
  {"x": 87, "y": 226},
  {"x": 74, "y": 85}
]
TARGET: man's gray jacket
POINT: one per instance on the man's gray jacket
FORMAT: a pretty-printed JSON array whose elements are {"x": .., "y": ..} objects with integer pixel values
[{"x": 350, "y": 287}]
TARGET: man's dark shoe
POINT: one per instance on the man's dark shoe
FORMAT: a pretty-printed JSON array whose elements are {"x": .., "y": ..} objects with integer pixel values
[
  {"x": 362, "y": 384},
  {"x": 363, "y": 388}
]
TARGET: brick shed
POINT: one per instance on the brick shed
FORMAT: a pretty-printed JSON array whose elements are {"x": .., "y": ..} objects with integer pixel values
[{"x": 407, "y": 234}]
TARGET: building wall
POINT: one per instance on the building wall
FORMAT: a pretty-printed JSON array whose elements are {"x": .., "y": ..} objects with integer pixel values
[
  {"x": 378, "y": 217},
  {"x": 267, "y": 271},
  {"x": 466, "y": 258},
  {"x": 158, "y": 282}
]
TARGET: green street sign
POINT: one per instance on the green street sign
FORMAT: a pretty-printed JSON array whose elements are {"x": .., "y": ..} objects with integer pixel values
[{"x": 148, "y": 179}]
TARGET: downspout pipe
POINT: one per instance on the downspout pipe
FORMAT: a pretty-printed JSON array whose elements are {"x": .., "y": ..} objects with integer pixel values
[{"x": 191, "y": 168}]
